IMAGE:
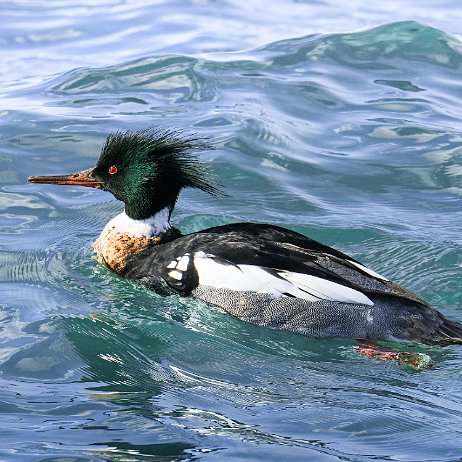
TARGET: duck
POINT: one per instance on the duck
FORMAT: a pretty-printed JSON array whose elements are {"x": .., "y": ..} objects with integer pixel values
[{"x": 260, "y": 273}]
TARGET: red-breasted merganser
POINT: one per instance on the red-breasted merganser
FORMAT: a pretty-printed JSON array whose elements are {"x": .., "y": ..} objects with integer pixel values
[{"x": 260, "y": 273}]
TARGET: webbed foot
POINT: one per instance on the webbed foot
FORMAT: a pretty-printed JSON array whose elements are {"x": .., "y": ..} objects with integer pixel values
[{"x": 415, "y": 360}]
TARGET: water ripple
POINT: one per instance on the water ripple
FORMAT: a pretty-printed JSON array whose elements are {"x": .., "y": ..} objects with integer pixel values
[{"x": 352, "y": 138}]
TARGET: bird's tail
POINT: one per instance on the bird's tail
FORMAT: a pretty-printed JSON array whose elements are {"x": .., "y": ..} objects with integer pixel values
[{"x": 449, "y": 332}]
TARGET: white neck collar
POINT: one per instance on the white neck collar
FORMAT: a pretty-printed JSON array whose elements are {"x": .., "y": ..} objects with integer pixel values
[{"x": 152, "y": 226}]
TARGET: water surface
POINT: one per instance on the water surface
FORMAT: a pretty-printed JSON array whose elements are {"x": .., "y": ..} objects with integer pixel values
[{"x": 343, "y": 123}]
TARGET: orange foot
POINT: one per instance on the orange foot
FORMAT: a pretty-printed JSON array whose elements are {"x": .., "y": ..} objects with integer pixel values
[{"x": 378, "y": 352}]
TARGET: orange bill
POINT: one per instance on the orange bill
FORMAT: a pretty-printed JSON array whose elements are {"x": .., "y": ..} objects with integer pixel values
[{"x": 76, "y": 179}]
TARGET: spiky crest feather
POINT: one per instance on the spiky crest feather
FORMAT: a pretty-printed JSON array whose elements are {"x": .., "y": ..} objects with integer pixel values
[
  {"x": 154, "y": 165},
  {"x": 171, "y": 150}
]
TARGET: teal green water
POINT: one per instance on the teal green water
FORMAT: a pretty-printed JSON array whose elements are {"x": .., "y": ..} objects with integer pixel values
[{"x": 353, "y": 138}]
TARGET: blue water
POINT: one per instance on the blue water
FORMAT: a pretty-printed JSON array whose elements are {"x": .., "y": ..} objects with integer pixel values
[{"x": 342, "y": 122}]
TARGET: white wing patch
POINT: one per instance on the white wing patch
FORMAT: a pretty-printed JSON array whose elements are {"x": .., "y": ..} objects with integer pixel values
[
  {"x": 368, "y": 271},
  {"x": 325, "y": 289},
  {"x": 183, "y": 262},
  {"x": 178, "y": 267},
  {"x": 174, "y": 274},
  {"x": 284, "y": 283}
]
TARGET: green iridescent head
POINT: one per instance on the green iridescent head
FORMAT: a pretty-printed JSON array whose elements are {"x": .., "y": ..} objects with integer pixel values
[{"x": 145, "y": 169}]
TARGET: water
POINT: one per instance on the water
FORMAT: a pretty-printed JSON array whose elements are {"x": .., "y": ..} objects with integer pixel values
[{"x": 341, "y": 122}]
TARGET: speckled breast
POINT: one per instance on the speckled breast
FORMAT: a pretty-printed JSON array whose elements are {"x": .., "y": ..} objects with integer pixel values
[{"x": 117, "y": 249}]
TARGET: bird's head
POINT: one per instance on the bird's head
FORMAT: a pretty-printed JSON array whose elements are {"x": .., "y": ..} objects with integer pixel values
[{"x": 144, "y": 169}]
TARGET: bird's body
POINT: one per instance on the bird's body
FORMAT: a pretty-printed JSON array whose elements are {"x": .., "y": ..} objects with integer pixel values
[
  {"x": 264, "y": 274},
  {"x": 274, "y": 277}
]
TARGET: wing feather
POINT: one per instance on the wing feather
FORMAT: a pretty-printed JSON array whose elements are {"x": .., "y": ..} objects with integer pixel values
[{"x": 218, "y": 273}]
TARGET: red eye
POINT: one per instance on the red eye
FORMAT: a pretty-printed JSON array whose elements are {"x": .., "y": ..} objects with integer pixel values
[{"x": 112, "y": 170}]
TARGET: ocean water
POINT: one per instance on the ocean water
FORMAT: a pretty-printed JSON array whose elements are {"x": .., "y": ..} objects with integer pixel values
[{"x": 342, "y": 122}]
